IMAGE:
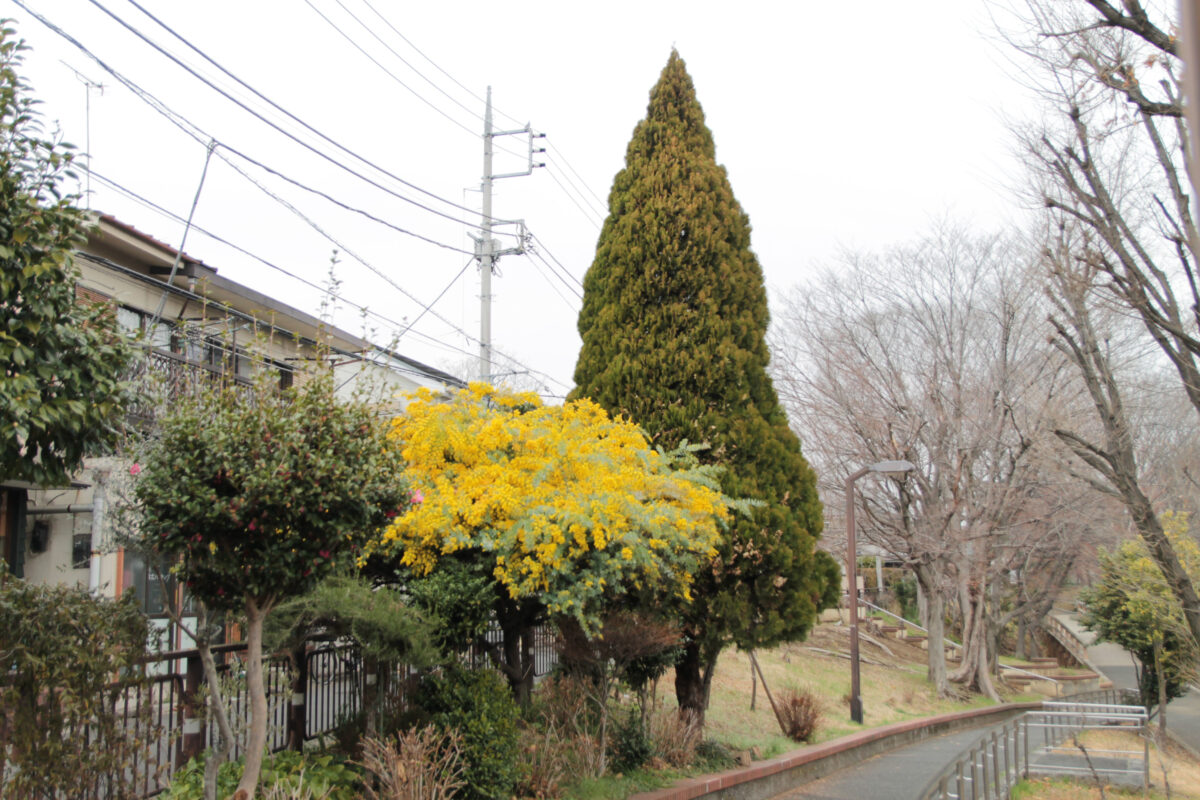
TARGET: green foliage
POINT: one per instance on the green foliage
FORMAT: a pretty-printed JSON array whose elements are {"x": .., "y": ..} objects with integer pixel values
[
  {"x": 1132, "y": 605},
  {"x": 630, "y": 746},
  {"x": 260, "y": 497},
  {"x": 673, "y": 324},
  {"x": 61, "y": 362},
  {"x": 460, "y": 594},
  {"x": 320, "y": 774},
  {"x": 385, "y": 626},
  {"x": 906, "y": 595},
  {"x": 62, "y": 650},
  {"x": 479, "y": 706}
]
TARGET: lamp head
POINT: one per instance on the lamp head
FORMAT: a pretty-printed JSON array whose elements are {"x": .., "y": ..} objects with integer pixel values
[{"x": 892, "y": 467}]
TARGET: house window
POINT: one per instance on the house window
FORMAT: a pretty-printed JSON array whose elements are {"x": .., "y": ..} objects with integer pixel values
[{"x": 81, "y": 551}]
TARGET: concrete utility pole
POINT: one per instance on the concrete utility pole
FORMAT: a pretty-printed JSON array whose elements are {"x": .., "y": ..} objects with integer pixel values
[{"x": 486, "y": 251}]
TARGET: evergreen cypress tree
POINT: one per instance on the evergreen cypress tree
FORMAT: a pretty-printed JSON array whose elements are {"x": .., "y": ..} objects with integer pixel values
[{"x": 674, "y": 322}]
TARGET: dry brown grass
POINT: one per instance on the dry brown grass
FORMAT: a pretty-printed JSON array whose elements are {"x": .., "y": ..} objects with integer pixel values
[{"x": 1183, "y": 772}]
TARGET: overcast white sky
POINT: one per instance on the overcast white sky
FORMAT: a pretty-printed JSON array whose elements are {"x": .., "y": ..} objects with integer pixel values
[{"x": 850, "y": 124}]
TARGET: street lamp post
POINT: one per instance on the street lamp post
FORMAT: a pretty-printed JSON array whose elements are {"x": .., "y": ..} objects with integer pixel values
[{"x": 886, "y": 468}]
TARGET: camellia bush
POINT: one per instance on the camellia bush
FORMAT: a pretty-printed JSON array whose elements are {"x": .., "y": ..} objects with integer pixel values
[
  {"x": 565, "y": 508},
  {"x": 253, "y": 499}
]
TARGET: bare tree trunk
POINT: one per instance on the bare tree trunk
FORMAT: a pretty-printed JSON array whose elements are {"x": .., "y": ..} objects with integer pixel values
[
  {"x": 216, "y": 710},
  {"x": 936, "y": 625},
  {"x": 256, "y": 739}
]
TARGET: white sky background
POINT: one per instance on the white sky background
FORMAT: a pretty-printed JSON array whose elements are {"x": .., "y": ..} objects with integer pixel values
[{"x": 850, "y": 124}]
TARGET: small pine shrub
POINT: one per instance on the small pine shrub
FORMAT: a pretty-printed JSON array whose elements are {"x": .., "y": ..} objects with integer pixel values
[
  {"x": 630, "y": 746},
  {"x": 477, "y": 704},
  {"x": 800, "y": 714},
  {"x": 420, "y": 764}
]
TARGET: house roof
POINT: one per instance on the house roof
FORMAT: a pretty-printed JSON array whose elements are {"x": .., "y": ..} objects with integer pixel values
[{"x": 121, "y": 243}]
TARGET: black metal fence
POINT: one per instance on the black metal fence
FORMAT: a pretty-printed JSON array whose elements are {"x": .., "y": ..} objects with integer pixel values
[{"x": 310, "y": 693}]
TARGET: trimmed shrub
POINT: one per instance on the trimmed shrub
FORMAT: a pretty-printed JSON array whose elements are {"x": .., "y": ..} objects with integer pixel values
[{"x": 478, "y": 705}]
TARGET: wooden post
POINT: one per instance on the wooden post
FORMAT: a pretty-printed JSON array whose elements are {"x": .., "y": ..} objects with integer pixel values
[
  {"x": 297, "y": 713},
  {"x": 195, "y": 731}
]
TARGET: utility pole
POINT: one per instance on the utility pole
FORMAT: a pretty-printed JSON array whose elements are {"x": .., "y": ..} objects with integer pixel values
[{"x": 486, "y": 250}]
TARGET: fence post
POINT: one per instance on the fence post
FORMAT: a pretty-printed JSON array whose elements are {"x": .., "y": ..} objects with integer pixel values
[
  {"x": 297, "y": 713},
  {"x": 195, "y": 733},
  {"x": 962, "y": 782}
]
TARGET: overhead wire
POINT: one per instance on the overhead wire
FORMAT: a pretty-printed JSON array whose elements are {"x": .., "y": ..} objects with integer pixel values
[
  {"x": 200, "y": 135},
  {"x": 385, "y": 70},
  {"x": 542, "y": 246},
  {"x": 197, "y": 133},
  {"x": 436, "y": 66},
  {"x": 561, "y": 156},
  {"x": 257, "y": 115},
  {"x": 396, "y": 325},
  {"x": 586, "y": 214},
  {"x": 393, "y": 75}
]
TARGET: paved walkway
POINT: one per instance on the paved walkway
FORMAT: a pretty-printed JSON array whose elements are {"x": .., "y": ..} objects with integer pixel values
[
  {"x": 1183, "y": 713},
  {"x": 900, "y": 774}
]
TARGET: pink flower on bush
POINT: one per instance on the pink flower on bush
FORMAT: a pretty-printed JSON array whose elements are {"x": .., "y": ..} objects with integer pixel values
[
  {"x": 135, "y": 468},
  {"x": 416, "y": 497}
]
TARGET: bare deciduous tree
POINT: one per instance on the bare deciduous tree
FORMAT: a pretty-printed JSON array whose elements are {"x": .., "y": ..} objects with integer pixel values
[
  {"x": 1109, "y": 165},
  {"x": 935, "y": 353}
]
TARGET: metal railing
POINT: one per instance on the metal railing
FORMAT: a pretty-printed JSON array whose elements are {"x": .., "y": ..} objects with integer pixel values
[
  {"x": 1003, "y": 756},
  {"x": 950, "y": 642},
  {"x": 310, "y": 693}
]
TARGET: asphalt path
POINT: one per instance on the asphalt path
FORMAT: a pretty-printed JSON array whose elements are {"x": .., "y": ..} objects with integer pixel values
[
  {"x": 1183, "y": 713},
  {"x": 900, "y": 774}
]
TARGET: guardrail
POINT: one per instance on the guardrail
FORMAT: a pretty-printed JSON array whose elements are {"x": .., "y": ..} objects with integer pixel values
[{"x": 1002, "y": 757}]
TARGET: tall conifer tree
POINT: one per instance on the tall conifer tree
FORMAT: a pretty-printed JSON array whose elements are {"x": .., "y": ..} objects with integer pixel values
[{"x": 674, "y": 322}]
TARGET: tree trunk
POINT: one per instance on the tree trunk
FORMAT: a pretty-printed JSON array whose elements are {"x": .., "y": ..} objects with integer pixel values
[
  {"x": 256, "y": 740},
  {"x": 935, "y": 611},
  {"x": 216, "y": 709},
  {"x": 689, "y": 683},
  {"x": 1022, "y": 633},
  {"x": 1162, "y": 687}
]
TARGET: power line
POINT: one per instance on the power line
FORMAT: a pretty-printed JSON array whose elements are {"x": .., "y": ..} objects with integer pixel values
[
  {"x": 542, "y": 246},
  {"x": 586, "y": 214},
  {"x": 454, "y": 80},
  {"x": 258, "y": 115},
  {"x": 393, "y": 75},
  {"x": 385, "y": 70},
  {"x": 563, "y": 158},
  {"x": 197, "y": 133},
  {"x": 396, "y": 325},
  {"x": 405, "y": 62}
]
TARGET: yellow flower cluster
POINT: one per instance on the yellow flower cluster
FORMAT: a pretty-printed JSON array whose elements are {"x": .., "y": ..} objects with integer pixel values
[{"x": 564, "y": 500}]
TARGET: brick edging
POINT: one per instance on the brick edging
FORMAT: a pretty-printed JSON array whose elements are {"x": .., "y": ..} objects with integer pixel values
[{"x": 773, "y": 776}]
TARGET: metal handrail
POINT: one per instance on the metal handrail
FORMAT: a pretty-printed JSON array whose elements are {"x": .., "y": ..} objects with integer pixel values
[{"x": 953, "y": 643}]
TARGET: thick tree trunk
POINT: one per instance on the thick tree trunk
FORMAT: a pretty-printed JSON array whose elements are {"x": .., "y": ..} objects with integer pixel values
[
  {"x": 256, "y": 740},
  {"x": 935, "y": 623},
  {"x": 974, "y": 672},
  {"x": 690, "y": 690}
]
